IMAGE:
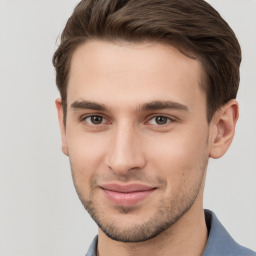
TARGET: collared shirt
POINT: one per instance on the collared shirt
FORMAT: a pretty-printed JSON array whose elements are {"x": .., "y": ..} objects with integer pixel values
[{"x": 219, "y": 243}]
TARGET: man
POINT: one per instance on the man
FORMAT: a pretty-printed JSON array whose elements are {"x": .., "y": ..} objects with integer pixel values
[{"x": 148, "y": 94}]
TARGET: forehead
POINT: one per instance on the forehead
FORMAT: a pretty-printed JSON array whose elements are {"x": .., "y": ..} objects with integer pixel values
[{"x": 121, "y": 73}]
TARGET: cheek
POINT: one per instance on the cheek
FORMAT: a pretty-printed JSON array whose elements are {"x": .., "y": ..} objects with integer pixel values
[
  {"x": 86, "y": 153},
  {"x": 179, "y": 159}
]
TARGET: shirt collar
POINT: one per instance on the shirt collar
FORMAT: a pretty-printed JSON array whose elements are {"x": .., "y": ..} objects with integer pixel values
[
  {"x": 92, "y": 251},
  {"x": 219, "y": 241}
]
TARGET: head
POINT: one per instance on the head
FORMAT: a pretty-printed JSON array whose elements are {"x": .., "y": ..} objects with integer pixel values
[{"x": 148, "y": 94}]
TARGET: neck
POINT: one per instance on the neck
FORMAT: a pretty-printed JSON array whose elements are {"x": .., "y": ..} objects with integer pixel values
[{"x": 187, "y": 237}]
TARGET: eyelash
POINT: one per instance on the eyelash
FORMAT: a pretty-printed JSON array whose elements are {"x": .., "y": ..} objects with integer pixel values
[
  {"x": 168, "y": 119},
  {"x": 83, "y": 119}
]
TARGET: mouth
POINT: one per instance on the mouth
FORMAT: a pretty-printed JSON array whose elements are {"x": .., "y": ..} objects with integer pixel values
[{"x": 126, "y": 195}]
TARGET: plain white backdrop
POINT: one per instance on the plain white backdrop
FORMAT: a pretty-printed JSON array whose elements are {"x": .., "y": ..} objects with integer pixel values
[{"x": 40, "y": 213}]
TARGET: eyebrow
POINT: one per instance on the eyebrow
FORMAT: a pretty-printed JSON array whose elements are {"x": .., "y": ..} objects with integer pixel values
[
  {"x": 154, "y": 105},
  {"x": 84, "y": 104},
  {"x": 158, "y": 105}
]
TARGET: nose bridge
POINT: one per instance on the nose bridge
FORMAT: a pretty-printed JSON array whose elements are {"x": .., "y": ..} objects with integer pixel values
[{"x": 125, "y": 152}]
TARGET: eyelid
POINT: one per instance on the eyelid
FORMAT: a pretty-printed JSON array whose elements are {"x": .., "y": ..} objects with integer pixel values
[
  {"x": 84, "y": 117},
  {"x": 171, "y": 118},
  {"x": 150, "y": 117}
]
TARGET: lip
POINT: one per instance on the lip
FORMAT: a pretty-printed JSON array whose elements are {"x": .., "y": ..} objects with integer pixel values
[{"x": 126, "y": 195}]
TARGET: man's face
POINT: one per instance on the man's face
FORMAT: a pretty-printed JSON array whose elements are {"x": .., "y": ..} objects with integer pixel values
[{"x": 137, "y": 136}]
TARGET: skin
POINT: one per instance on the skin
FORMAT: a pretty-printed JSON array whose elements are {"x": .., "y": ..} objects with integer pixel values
[{"x": 151, "y": 128}]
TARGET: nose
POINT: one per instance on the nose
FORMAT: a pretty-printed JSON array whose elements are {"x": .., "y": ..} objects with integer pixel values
[{"x": 125, "y": 152}]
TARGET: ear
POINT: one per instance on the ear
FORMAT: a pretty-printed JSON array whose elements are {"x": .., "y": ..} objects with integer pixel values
[
  {"x": 59, "y": 108},
  {"x": 223, "y": 128}
]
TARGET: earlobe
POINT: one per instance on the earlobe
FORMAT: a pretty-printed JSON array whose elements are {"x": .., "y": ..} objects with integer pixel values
[
  {"x": 59, "y": 108},
  {"x": 224, "y": 122}
]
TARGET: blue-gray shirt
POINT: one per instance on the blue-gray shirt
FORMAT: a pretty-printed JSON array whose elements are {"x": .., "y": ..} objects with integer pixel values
[{"x": 219, "y": 243}]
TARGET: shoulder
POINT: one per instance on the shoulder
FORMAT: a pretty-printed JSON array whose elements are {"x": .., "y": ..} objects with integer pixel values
[{"x": 219, "y": 240}]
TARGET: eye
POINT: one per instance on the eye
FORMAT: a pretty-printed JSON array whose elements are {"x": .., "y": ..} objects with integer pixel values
[
  {"x": 95, "y": 120},
  {"x": 160, "y": 120}
]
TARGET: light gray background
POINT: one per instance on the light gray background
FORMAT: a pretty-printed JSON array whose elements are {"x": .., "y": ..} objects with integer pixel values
[{"x": 40, "y": 214}]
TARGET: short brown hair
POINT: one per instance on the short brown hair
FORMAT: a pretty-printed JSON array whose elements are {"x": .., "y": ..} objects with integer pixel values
[{"x": 192, "y": 26}]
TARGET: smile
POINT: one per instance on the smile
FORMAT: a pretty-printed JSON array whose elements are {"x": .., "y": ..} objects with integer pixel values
[{"x": 127, "y": 195}]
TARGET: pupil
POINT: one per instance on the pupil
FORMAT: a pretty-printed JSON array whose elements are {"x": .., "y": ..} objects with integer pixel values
[
  {"x": 161, "y": 120},
  {"x": 96, "y": 119}
]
